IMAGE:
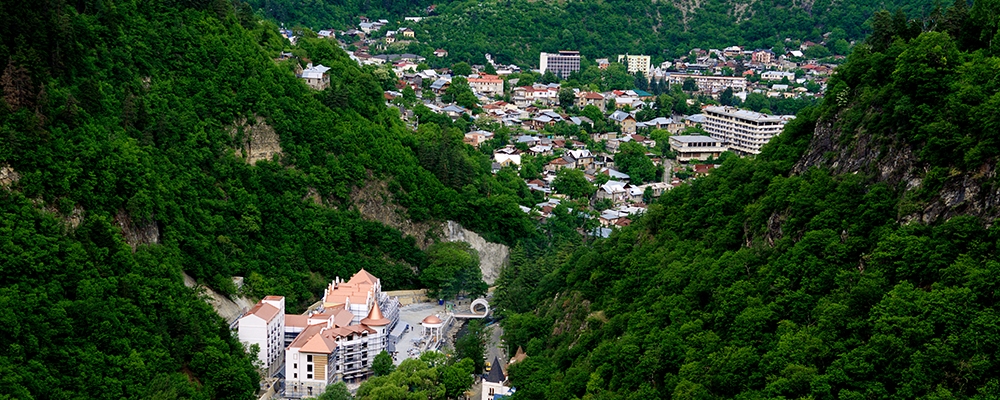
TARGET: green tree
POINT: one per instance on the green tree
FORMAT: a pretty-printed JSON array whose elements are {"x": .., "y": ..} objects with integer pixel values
[
  {"x": 632, "y": 160},
  {"x": 457, "y": 378},
  {"x": 573, "y": 183},
  {"x": 689, "y": 85},
  {"x": 726, "y": 98},
  {"x": 336, "y": 391},
  {"x": 472, "y": 345},
  {"x": 382, "y": 364},
  {"x": 461, "y": 68},
  {"x": 566, "y": 97},
  {"x": 453, "y": 269}
]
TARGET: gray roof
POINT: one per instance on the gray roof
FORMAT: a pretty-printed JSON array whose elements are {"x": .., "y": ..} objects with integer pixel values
[
  {"x": 696, "y": 118},
  {"x": 694, "y": 139},
  {"x": 619, "y": 116},
  {"x": 496, "y": 372}
]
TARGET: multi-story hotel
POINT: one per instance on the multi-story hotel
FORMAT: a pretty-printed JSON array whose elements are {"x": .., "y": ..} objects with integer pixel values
[
  {"x": 561, "y": 64},
  {"x": 742, "y": 131},
  {"x": 635, "y": 63},
  {"x": 337, "y": 342}
]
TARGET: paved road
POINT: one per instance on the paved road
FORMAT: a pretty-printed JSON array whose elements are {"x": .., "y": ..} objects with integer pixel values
[{"x": 668, "y": 170}]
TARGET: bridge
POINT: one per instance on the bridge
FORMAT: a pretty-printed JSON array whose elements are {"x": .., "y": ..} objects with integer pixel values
[{"x": 479, "y": 309}]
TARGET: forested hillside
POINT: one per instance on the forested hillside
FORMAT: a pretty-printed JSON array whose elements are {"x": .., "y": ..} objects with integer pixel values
[
  {"x": 515, "y": 31},
  {"x": 140, "y": 140},
  {"x": 855, "y": 258}
]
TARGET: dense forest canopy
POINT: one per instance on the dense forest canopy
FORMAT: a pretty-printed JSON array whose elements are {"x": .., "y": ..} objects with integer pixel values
[
  {"x": 757, "y": 282},
  {"x": 515, "y": 31}
]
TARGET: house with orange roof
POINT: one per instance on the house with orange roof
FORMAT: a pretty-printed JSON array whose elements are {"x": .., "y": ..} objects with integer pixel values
[{"x": 486, "y": 84}]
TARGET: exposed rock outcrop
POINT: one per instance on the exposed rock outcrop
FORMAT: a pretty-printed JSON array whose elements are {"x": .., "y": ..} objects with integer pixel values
[
  {"x": 896, "y": 164},
  {"x": 374, "y": 202},
  {"x": 137, "y": 233},
  {"x": 228, "y": 309},
  {"x": 8, "y": 177},
  {"x": 255, "y": 141},
  {"x": 492, "y": 256}
]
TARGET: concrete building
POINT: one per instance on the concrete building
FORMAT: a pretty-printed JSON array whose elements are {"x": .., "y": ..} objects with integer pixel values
[
  {"x": 742, "y": 131},
  {"x": 486, "y": 84},
  {"x": 694, "y": 147},
  {"x": 584, "y": 99},
  {"x": 264, "y": 326},
  {"x": 777, "y": 75},
  {"x": 625, "y": 120},
  {"x": 635, "y": 64},
  {"x": 762, "y": 56},
  {"x": 711, "y": 84},
  {"x": 561, "y": 64},
  {"x": 316, "y": 77}
]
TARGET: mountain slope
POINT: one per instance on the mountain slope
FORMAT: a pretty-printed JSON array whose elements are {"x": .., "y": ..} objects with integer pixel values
[
  {"x": 141, "y": 140},
  {"x": 790, "y": 275}
]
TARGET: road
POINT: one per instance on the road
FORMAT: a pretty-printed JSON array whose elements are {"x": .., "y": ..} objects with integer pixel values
[
  {"x": 668, "y": 170},
  {"x": 493, "y": 351}
]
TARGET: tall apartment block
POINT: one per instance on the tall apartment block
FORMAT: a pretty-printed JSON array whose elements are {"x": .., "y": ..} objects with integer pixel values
[
  {"x": 742, "y": 131},
  {"x": 562, "y": 63}
]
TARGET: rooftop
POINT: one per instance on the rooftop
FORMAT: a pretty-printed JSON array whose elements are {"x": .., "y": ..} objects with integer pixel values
[{"x": 743, "y": 114}]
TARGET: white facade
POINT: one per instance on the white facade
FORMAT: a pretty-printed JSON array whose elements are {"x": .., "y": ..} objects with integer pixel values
[
  {"x": 264, "y": 326},
  {"x": 693, "y": 147},
  {"x": 316, "y": 77},
  {"x": 486, "y": 84},
  {"x": 777, "y": 75},
  {"x": 711, "y": 84},
  {"x": 635, "y": 64},
  {"x": 742, "y": 131}
]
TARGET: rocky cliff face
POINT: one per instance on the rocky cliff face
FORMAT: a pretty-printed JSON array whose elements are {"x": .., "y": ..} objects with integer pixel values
[
  {"x": 374, "y": 202},
  {"x": 896, "y": 164},
  {"x": 492, "y": 256},
  {"x": 256, "y": 140}
]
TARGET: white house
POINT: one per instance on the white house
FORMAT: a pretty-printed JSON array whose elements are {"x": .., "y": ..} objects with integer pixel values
[
  {"x": 316, "y": 77},
  {"x": 264, "y": 326}
]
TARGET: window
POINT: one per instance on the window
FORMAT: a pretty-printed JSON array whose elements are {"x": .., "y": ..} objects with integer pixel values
[
  {"x": 295, "y": 365},
  {"x": 295, "y": 375},
  {"x": 309, "y": 358},
  {"x": 309, "y": 376},
  {"x": 309, "y": 368}
]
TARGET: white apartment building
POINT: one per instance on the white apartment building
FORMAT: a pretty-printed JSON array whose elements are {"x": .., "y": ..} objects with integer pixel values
[
  {"x": 635, "y": 64},
  {"x": 264, "y": 326},
  {"x": 742, "y": 131},
  {"x": 710, "y": 83},
  {"x": 561, "y": 64},
  {"x": 695, "y": 147}
]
